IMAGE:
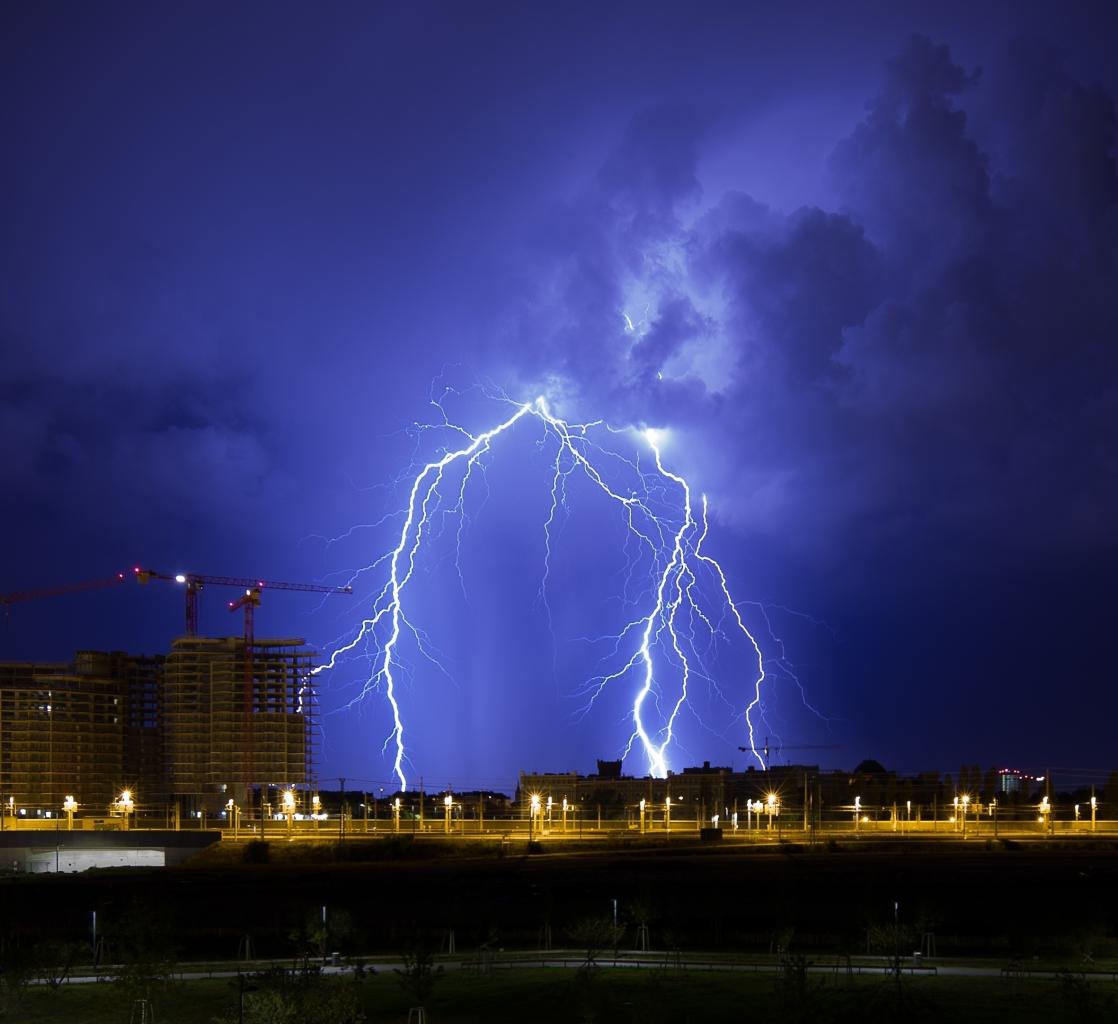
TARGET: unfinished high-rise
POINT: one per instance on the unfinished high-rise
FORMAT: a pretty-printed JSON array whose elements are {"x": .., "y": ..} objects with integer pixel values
[
  {"x": 88, "y": 729},
  {"x": 236, "y": 716},
  {"x": 210, "y": 722}
]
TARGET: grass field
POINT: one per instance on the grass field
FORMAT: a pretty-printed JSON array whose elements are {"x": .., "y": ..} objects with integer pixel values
[{"x": 605, "y": 995}]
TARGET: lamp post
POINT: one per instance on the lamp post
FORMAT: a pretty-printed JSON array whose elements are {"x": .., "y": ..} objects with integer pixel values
[
  {"x": 316, "y": 809},
  {"x": 908, "y": 813},
  {"x": 234, "y": 815},
  {"x": 288, "y": 805},
  {"x": 770, "y": 807},
  {"x": 1094, "y": 804},
  {"x": 857, "y": 812},
  {"x": 966, "y": 802},
  {"x": 396, "y": 815},
  {"x": 667, "y": 814},
  {"x": 549, "y": 814},
  {"x": 125, "y": 803},
  {"x": 69, "y": 805},
  {"x": 533, "y": 812},
  {"x": 642, "y": 815},
  {"x": 448, "y": 803},
  {"x": 564, "y": 814},
  {"x": 994, "y": 815}
]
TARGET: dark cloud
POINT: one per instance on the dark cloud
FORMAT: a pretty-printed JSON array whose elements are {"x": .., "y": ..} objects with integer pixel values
[{"x": 952, "y": 316}]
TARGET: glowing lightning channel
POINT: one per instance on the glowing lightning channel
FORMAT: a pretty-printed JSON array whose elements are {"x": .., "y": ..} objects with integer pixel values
[{"x": 674, "y": 548}]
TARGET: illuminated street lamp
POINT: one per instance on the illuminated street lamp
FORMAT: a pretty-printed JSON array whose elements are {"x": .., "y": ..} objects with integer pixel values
[
  {"x": 448, "y": 804},
  {"x": 1094, "y": 804},
  {"x": 564, "y": 814},
  {"x": 857, "y": 812},
  {"x": 667, "y": 814},
  {"x": 770, "y": 806},
  {"x": 549, "y": 814},
  {"x": 396, "y": 815},
  {"x": 316, "y": 809},
  {"x": 288, "y": 806},
  {"x": 966, "y": 801},
  {"x": 234, "y": 815},
  {"x": 642, "y": 815},
  {"x": 125, "y": 804},
  {"x": 69, "y": 805},
  {"x": 908, "y": 812},
  {"x": 1045, "y": 810},
  {"x": 533, "y": 813}
]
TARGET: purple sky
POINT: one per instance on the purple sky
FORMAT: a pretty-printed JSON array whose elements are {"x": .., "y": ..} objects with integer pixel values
[{"x": 870, "y": 257}]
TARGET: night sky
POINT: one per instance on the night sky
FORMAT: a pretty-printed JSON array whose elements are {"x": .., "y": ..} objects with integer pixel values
[{"x": 869, "y": 255}]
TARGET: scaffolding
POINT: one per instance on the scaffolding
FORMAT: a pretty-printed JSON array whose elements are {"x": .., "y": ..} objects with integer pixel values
[{"x": 236, "y": 717}]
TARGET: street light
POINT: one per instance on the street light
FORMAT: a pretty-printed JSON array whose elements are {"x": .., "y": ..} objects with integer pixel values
[
  {"x": 667, "y": 814},
  {"x": 770, "y": 806},
  {"x": 857, "y": 811},
  {"x": 642, "y": 815},
  {"x": 1093, "y": 806},
  {"x": 448, "y": 803},
  {"x": 69, "y": 805},
  {"x": 234, "y": 814},
  {"x": 125, "y": 803},
  {"x": 966, "y": 801},
  {"x": 288, "y": 805},
  {"x": 564, "y": 814},
  {"x": 533, "y": 812},
  {"x": 396, "y": 815}
]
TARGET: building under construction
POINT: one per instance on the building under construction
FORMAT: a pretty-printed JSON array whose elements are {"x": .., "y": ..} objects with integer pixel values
[
  {"x": 236, "y": 716},
  {"x": 195, "y": 728},
  {"x": 89, "y": 727}
]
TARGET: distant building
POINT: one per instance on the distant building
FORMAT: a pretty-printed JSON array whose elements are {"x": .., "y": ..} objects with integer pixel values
[
  {"x": 197, "y": 727},
  {"x": 1011, "y": 780},
  {"x": 235, "y": 719},
  {"x": 87, "y": 729}
]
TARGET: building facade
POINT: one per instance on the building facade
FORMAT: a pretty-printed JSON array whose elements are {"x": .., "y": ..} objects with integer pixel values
[{"x": 195, "y": 728}]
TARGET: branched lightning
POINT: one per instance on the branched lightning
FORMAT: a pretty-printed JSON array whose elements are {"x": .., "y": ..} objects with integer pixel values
[{"x": 660, "y": 651}]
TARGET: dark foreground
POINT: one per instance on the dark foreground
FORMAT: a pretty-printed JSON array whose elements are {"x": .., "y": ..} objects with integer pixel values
[{"x": 1017, "y": 906}]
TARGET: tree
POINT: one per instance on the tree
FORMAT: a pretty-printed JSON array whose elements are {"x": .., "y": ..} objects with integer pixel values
[
  {"x": 419, "y": 975},
  {"x": 595, "y": 934},
  {"x": 55, "y": 960}
]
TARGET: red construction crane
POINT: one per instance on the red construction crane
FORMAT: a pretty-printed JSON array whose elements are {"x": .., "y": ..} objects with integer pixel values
[
  {"x": 66, "y": 588},
  {"x": 195, "y": 582}
]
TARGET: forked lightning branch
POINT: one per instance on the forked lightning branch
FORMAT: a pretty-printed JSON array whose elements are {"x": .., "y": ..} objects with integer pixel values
[{"x": 685, "y": 603}]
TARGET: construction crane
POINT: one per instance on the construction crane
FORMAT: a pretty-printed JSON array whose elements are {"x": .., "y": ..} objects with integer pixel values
[
  {"x": 195, "y": 582},
  {"x": 780, "y": 747},
  {"x": 67, "y": 588},
  {"x": 249, "y": 601}
]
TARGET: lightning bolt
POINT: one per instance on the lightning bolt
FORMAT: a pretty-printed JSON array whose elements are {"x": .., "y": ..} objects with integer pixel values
[{"x": 661, "y": 649}]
